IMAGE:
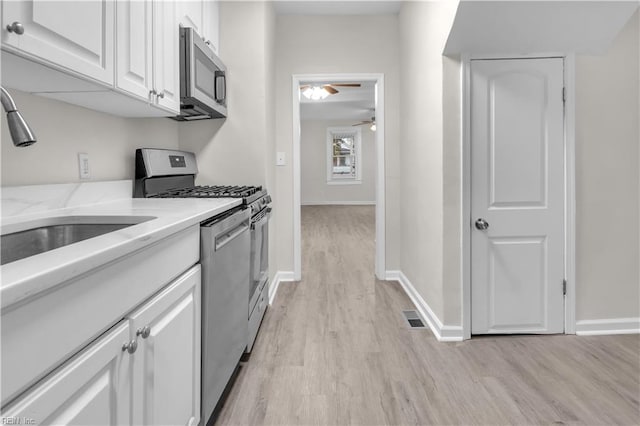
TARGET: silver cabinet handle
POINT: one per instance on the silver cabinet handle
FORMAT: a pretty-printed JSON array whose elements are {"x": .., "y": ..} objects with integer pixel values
[
  {"x": 130, "y": 347},
  {"x": 144, "y": 332},
  {"x": 161, "y": 94},
  {"x": 482, "y": 224},
  {"x": 16, "y": 27}
]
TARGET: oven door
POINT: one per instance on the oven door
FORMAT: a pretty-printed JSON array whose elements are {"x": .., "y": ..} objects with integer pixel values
[{"x": 259, "y": 254}]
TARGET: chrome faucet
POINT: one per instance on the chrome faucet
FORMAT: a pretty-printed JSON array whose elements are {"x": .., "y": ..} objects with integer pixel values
[{"x": 21, "y": 133}]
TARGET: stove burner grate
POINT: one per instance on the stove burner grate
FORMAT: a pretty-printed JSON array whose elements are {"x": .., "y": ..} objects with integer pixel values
[{"x": 206, "y": 191}]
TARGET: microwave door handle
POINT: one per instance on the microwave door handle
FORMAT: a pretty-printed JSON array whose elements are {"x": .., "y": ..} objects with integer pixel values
[{"x": 221, "y": 87}]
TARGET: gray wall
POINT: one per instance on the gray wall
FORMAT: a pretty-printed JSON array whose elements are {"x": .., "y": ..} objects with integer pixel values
[
  {"x": 424, "y": 27},
  {"x": 313, "y": 167},
  {"x": 607, "y": 164},
  {"x": 63, "y": 130},
  {"x": 336, "y": 44},
  {"x": 234, "y": 150},
  {"x": 607, "y": 186}
]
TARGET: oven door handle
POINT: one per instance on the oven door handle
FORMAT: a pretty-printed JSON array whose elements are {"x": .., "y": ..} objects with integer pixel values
[
  {"x": 227, "y": 237},
  {"x": 262, "y": 220}
]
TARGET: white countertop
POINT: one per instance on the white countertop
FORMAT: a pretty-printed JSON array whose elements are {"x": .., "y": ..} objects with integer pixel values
[{"x": 24, "y": 278}]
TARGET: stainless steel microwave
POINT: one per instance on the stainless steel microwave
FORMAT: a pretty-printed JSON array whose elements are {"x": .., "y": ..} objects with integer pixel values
[{"x": 203, "y": 92}]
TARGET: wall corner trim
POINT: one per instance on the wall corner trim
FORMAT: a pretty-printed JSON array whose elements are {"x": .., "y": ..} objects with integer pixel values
[
  {"x": 608, "y": 326},
  {"x": 444, "y": 333},
  {"x": 279, "y": 277}
]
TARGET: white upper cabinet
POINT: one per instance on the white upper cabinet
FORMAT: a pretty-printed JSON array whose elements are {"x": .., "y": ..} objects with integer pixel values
[
  {"x": 147, "y": 53},
  {"x": 211, "y": 24},
  {"x": 190, "y": 14},
  {"x": 203, "y": 16},
  {"x": 166, "y": 55},
  {"x": 77, "y": 36},
  {"x": 134, "y": 47}
]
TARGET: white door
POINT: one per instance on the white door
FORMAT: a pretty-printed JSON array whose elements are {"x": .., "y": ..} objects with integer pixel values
[
  {"x": 77, "y": 35},
  {"x": 92, "y": 389},
  {"x": 517, "y": 194},
  {"x": 166, "y": 370}
]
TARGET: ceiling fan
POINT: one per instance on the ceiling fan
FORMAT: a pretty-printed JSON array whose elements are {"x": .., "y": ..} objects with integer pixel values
[
  {"x": 364, "y": 123},
  {"x": 313, "y": 91}
]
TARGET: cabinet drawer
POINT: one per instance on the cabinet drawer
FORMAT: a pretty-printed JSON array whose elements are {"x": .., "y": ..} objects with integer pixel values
[{"x": 40, "y": 334}]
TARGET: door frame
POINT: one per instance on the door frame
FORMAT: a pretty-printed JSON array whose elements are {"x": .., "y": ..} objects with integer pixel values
[
  {"x": 569, "y": 185},
  {"x": 380, "y": 172}
]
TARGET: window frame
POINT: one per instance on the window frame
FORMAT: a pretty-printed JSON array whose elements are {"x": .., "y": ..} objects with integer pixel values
[{"x": 357, "y": 139}]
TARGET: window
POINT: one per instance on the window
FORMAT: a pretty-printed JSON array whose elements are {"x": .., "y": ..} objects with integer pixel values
[{"x": 343, "y": 155}]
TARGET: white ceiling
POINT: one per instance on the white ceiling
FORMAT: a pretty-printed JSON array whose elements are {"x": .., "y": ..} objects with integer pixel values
[
  {"x": 523, "y": 27},
  {"x": 350, "y": 104},
  {"x": 337, "y": 7}
]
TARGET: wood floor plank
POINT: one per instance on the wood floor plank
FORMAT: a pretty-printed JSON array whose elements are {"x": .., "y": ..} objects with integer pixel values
[{"x": 334, "y": 349}]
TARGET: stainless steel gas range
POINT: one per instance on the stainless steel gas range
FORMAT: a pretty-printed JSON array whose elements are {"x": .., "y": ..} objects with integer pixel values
[{"x": 235, "y": 263}]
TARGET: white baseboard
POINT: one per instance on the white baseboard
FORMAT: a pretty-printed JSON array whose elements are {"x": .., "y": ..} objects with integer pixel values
[
  {"x": 275, "y": 283},
  {"x": 338, "y": 203},
  {"x": 444, "y": 333},
  {"x": 608, "y": 326}
]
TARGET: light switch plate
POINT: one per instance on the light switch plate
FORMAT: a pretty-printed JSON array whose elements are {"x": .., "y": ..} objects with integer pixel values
[
  {"x": 83, "y": 165},
  {"x": 281, "y": 159}
]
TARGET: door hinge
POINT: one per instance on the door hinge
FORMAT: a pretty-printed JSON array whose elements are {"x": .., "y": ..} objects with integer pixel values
[
  {"x": 564, "y": 95},
  {"x": 564, "y": 287}
]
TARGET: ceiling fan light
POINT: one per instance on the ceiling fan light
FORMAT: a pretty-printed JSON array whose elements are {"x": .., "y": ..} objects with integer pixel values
[
  {"x": 319, "y": 93},
  {"x": 315, "y": 93},
  {"x": 307, "y": 92},
  {"x": 373, "y": 127}
]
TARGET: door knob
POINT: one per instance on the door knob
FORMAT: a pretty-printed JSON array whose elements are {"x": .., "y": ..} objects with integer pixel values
[
  {"x": 130, "y": 347},
  {"x": 144, "y": 331},
  {"x": 16, "y": 27},
  {"x": 482, "y": 224}
]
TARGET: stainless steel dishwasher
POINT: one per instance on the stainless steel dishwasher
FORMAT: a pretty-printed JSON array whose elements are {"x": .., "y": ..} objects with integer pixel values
[{"x": 225, "y": 255}]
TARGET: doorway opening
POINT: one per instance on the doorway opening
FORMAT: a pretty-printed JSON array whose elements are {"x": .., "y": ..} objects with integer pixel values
[{"x": 342, "y": 152}]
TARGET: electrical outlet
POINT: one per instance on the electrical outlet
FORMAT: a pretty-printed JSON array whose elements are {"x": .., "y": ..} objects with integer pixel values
[
  {"x": 281, "y": 159},
  {"x": 83, "y": 165}
]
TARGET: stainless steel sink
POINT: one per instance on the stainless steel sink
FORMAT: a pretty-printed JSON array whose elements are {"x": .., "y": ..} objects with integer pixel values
[{"x": 30, "y": 238}]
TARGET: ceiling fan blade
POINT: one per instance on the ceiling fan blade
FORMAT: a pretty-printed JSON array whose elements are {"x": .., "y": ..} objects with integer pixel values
[
  {"x": 346, "y": 84},
  {"x": 330, "y": 89},
  {"x": 363, "y": 123}
]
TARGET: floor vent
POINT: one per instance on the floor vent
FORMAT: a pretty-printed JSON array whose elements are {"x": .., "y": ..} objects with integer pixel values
[{"x": 413, "y": 319}]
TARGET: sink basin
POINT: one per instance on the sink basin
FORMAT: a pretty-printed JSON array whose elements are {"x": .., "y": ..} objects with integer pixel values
[{"x": 30, "y": 238}]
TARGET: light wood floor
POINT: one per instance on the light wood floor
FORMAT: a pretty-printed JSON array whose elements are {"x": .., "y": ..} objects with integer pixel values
[{"x": 334, "y": 350}]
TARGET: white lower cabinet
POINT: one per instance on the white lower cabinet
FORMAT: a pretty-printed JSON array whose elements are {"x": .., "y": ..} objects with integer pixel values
[
  {"x": 166, "y": 364},
  {"x": 143, "y": 371},
  {"x": 94, "y": 388}
]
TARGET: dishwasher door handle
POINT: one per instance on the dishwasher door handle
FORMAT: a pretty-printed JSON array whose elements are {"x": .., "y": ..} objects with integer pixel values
[{"x": 227, "y": 237}]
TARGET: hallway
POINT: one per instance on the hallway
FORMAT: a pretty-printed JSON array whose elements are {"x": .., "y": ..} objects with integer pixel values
[{"x": 334, "y": 349}]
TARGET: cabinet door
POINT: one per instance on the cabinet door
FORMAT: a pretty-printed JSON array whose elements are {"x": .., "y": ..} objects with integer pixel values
[
  {"x": 134, "y": 49},
  {"x": 166, "y": 366},
  {"x": 76, "y": 35},
  {"x": 166, "y": 55},
  {"x": 211, "y": 24},
  {"x": 190, "y": 14},
  {"x": 91, "y": 389}
]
